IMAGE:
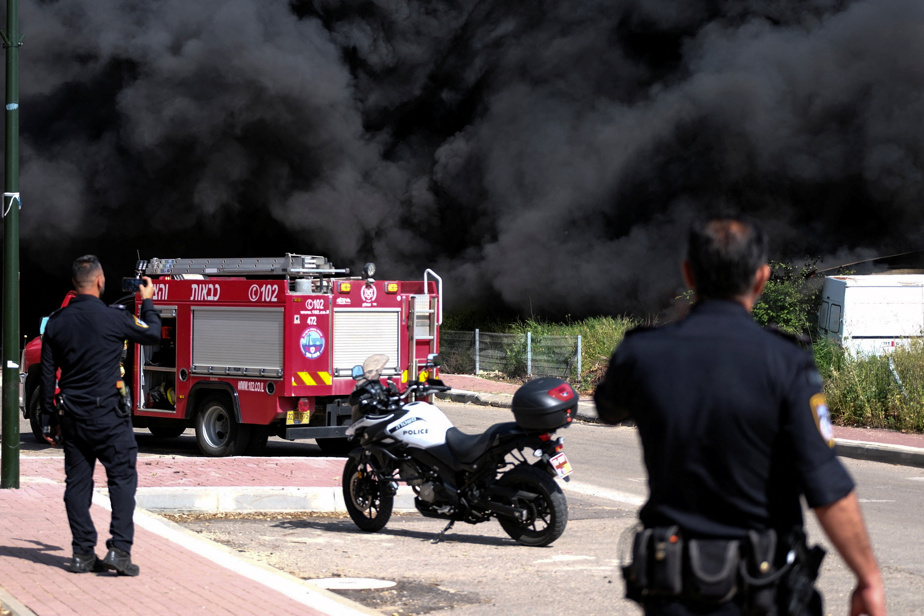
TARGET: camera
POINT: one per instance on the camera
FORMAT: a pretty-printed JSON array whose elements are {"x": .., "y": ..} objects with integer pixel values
[{"x": 133, "y": 285}]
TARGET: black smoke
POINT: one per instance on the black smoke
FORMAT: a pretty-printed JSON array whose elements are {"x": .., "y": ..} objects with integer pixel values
[{"x": 543, "y": 157}]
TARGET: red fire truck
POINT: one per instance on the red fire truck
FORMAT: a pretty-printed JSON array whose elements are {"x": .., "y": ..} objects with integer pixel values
[{"x": 257, "y": 347}]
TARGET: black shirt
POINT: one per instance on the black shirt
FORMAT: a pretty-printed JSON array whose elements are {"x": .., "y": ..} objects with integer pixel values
[
  {"x": 85, "y": 339},
  {"x": 732, "y": 421}
]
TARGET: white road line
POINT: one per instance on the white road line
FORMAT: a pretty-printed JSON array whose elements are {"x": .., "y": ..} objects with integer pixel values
[{"x": 614, "y": 495}]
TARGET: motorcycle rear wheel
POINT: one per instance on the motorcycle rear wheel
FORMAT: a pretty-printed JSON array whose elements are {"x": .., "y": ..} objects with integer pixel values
[
  {"x": 369, "y": 508},
  {"x": 543, "y": 500}
]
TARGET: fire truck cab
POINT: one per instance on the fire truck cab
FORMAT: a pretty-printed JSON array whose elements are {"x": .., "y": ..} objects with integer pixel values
[{"x": 253, "y": 348}]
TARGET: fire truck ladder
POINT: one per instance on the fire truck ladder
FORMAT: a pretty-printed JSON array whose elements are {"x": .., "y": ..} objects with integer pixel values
[
  {"x": 425, "y": 318},
  {"x": 292, "y": 266}
]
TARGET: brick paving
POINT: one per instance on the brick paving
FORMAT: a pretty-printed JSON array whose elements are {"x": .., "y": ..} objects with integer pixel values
[{"x": 179, "y": 573}]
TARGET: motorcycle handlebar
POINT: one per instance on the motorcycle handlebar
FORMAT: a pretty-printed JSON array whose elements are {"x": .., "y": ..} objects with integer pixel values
[{"x": 380, "y": 395}]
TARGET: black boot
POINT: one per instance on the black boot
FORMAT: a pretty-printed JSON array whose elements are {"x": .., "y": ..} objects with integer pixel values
[
  {"x": 121, "y": 562},
  {"x": 85, "y": 563}
]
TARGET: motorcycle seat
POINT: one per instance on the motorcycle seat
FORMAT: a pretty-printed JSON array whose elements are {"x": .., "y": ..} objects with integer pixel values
[{"x": 469, "y": 447}]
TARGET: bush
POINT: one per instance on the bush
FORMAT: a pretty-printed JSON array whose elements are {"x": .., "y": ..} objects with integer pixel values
[
  {"x": 874, "y": 391},
  {"x": 791, "y": 297}
]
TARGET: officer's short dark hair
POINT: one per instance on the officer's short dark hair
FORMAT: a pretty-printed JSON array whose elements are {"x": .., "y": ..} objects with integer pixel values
[
  {"x": 85, "y": 270},
  {"x": 725, "y": 253}
]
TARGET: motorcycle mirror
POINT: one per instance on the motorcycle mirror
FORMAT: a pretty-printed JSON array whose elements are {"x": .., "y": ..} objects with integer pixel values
[
  {"x": 434, "y": 359},
  {"x": 357, "y": 373}
]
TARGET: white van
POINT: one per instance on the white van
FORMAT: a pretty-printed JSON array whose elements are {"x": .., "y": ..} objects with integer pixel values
[{"x": 871, "y": 315}]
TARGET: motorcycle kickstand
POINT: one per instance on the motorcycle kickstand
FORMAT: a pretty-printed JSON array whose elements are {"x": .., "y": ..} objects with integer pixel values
[{"x": 444, "y": 531}]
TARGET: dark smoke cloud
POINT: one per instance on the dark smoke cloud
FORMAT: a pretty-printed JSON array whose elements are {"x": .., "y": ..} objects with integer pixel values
[{"x": 544, "y": 157}]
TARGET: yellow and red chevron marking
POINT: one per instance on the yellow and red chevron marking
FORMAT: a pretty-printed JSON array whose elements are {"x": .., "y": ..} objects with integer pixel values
[{"x": 311, "y": 379}]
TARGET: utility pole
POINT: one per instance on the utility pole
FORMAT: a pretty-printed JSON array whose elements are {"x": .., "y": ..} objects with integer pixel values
[{"x": 9, "y": 465}]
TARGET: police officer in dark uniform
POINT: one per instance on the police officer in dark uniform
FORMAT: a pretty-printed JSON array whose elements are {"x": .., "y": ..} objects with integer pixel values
[
  {"x": 85, "y": 340},
  {"x": 734, "y": 429}
]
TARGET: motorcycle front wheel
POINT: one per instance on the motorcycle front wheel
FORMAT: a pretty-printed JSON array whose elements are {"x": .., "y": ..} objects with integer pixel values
[
  {"x": 544, "y": 502},
  {"x": 369, "y": 508}
]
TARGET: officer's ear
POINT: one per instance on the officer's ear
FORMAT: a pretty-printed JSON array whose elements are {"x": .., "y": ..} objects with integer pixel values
[{"x": 761, "y": 276}]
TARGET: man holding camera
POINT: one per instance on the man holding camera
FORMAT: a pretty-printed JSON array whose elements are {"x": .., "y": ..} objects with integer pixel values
[
  {"x": 85, "y": 340},
  {"x": 735, "y": 430}
]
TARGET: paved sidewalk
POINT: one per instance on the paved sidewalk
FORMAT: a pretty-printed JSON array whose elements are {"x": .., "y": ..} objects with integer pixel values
[{"x": 182, "y": 573}]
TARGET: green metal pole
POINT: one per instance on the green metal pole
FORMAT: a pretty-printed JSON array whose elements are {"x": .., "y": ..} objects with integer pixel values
[{"x": 9, "y": 465}]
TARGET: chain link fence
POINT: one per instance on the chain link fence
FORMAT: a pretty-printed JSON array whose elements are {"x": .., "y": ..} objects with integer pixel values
[{"x": 513, "y": 355}]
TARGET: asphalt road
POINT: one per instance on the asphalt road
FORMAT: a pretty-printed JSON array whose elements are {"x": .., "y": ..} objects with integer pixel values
[{"x": 478, "y": 570}]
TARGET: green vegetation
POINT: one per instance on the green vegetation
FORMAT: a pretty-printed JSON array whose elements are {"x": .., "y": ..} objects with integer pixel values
[
  {"x": 599, "y": 337},
  {"x": 790, "y": 299},
  {"x": 878, "y": 392}
]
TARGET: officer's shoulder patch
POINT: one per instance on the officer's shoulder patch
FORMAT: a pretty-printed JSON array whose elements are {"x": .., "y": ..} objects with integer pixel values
[
  {"x": 800, "y": 339},
  {"x": 819, "y": 406},
  {"x": 139, "y": 322}
]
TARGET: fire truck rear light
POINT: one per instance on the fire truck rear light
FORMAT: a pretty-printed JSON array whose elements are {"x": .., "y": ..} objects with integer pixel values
[
  {"x": 391, "y": 287},
  {"x": 344, "y": 287},
  {"x": 304, "y": 406}
]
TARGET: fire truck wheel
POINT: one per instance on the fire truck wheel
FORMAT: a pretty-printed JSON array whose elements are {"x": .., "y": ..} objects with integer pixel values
[
  {"x": 257, "y": 443},
  {"x": 336, "y": 447},
  {"x": 35, "y": 414},
  {"x": 217, "y": 433}
]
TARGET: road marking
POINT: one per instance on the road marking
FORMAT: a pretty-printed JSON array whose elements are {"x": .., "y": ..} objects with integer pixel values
[{"x": 614, "y": 495}]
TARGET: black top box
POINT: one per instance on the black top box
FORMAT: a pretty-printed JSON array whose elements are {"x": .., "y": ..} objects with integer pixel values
[{"x": 544, "y": 404}]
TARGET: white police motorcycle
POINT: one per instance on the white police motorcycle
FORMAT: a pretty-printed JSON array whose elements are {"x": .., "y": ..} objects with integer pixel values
[{"x": 457, "y": 476}]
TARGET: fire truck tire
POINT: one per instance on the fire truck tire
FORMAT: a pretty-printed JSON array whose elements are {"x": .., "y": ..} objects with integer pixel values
[
  {"x": 336, "y": 447},
  {"x": 35, "y": 414},
  {"x": 217, "y": 432},
  {"x": 257, "y": 443}
]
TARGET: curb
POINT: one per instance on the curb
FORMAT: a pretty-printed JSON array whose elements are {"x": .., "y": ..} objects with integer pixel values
[
  {"x": 857, "y": 450},
  {"x": 875, "y": 452},
  {"x": 9, "y": 606},
  {"x": 242, "y": 500}
]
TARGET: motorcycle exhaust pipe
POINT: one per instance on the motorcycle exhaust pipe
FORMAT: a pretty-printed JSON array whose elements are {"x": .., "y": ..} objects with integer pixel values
[{"x": 517, "y": 513}]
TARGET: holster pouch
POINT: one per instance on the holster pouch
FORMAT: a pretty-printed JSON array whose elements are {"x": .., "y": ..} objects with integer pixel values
[
  {"x": 784, "y": 590},
  {"x": 124, "y": 405},
  {"x": 759, "y": 577},
  {"x": 657, "y": 564},
  {"x": 713, "y": 569}
]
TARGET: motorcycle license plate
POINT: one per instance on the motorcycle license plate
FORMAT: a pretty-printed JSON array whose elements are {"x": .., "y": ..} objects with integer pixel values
[
  {"x": 294, "y": 418},
  {"x": 561, "y": 465}
]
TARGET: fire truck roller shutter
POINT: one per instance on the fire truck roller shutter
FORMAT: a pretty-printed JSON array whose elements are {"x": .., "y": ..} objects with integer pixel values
[
  {"x": 359, "y": 333},
  {"x": 237, "y": 341}
]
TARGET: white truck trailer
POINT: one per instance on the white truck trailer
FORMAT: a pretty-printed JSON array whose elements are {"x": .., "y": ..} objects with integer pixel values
[{"x": 871, "y": 315}]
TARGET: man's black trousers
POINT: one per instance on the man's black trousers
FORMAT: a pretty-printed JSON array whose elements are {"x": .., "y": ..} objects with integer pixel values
[{"x": 110, "y": 440}]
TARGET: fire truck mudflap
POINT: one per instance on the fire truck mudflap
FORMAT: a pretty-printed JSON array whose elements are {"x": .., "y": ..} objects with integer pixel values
[{"x": 253, "y": 348}]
